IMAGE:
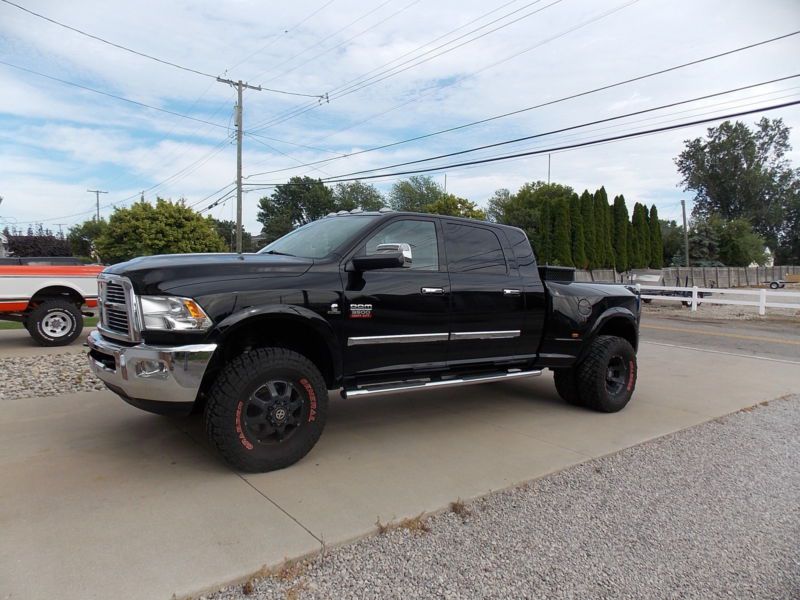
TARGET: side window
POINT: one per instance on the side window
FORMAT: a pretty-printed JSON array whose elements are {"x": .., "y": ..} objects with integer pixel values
[
  {"x": 526, "y": 261},
  {"x": 473, "y": 250},
  {"x": 420, "y": 235}
]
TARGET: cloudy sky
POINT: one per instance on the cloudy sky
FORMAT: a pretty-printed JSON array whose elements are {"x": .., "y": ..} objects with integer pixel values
[{"x": 393, "y": 69}]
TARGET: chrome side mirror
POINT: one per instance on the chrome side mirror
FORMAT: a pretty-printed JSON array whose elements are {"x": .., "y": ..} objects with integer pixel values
[{"x": 397, "y": 248}]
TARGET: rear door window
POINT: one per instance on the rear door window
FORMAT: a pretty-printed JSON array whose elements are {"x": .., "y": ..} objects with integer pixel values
[{"x": 473, "y": 250}]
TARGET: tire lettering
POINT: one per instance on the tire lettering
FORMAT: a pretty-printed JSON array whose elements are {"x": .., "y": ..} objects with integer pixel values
[
  {"x": 312, "y": 398},
  {"x": 630, "y": 378},
  {"x": 245, "y": 442}
]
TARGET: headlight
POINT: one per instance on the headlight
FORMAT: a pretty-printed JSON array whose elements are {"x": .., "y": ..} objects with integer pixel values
[{"x": 173, "y": 313}]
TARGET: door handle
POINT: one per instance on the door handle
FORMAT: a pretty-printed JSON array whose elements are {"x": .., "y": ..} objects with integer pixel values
[
  {"x": 432, "y": 291},
  {"x": 511, "y": 292}
]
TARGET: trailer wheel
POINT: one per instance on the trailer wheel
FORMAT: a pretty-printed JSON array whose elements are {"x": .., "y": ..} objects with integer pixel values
[
  {"x": 55, "y": 323},
  {"x": 606, "y": 377},
  {"x": 774, "y": 285}
]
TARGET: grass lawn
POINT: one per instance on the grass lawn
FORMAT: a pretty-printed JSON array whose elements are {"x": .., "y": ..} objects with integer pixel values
[{"x": 87, "y": 322}]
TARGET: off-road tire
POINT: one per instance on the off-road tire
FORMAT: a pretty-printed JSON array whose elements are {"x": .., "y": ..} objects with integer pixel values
[
  {"x": 227, "y": 428},
  {"x": 591, "y": 374},
  {"x": 42, "y": 320},
  {"x": 566, "y": 386}
]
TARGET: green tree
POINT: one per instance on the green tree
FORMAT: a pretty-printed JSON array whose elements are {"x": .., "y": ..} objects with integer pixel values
[
  {"x": 656, "y": 243},
  {"x": 672, "y": 241},
  {"x": 739, "y": 245},
  {"x": 227, "y": 231},
  {"x": 543, "y": 234},
  {"x": 292, "y": 204},
  {"x": 498, "y": 205},
  {"x": 621, "y": 223},
  {"x": 82, "y": 237},
  {"x": 703, "y": 242},
  {"x": 454, "y": 206},
  {"x": 589, "y": 230},
  {"x": 415, "y": 193},
  {"x": 603, "y": 240},
  {"x": 355, "y": 194},
  {"x": 641, "y": 238},
  {"x": 164, "y": 228},
  {"x": 741, "y": 173},
  {"x": 562, "y": 251},
  {"x": 577, "y": 236}
]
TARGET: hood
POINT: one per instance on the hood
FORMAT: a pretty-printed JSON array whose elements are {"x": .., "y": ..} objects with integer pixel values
[{"x": 155, "y": 274}]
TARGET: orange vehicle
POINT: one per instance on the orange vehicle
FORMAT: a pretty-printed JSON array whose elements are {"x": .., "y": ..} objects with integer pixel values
[{"x": 48, "y": 297}]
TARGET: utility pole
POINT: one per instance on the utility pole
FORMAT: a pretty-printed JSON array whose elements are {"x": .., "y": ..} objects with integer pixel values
[
  {"x": 548, "y": 168},
  {"x": 240, "y": 86},
  {"x": 97, "y": 196},
  {"x": 445, "y": 183},
  {"x": 685, "y": 234}
]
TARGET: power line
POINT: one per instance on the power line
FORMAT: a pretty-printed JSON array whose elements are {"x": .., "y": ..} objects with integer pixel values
[
  {"x": 274, "y": 37},
  {"x": 109, "y": 95},
  {"x": 544, "y": 104},
  {"x": 348, "y": 40},
  {"x": 410, "y": 52},
  {"x": 138, "y": 53},
  {"x": 580, "y": 126},
  {"x": 319, "y": 42},
  {"x": 278, "y": 120},
  {"x": 572, "y": 146}
]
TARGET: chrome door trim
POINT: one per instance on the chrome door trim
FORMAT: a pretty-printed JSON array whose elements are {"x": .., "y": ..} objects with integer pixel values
[
  {"x": 485, "y": 335},
  {"x": 398, "y": 339}
]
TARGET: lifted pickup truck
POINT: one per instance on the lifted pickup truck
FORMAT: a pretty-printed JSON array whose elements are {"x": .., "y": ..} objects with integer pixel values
[{"x": 369, "y": 303}]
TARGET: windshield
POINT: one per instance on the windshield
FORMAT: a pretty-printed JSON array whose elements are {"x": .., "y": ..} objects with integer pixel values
[{"x": 319, "y": 238}]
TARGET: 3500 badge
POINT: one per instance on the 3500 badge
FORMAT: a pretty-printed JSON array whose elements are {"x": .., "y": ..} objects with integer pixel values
[{"x": 361, "y": 311}]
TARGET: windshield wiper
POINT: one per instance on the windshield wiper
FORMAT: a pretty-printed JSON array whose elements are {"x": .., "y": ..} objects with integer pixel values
[{"x": 277, "y": 253}]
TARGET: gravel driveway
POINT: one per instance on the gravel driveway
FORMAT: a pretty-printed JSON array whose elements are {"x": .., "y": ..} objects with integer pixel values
[
  {"x": 46, "y": 375},
  {"x": 709, "y": 512}
]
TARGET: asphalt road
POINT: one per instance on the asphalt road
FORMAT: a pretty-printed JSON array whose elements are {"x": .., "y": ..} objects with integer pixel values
[{"x": 768, "y": 339}]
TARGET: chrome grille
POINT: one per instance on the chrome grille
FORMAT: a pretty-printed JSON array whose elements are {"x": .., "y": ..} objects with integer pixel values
[{"x": 116, "y": 316}]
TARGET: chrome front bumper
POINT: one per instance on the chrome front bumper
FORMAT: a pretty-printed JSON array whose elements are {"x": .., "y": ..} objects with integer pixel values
[{"x": 146, "y": 375}]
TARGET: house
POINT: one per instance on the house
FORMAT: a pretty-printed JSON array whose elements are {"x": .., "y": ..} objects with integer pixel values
[{"x": 3, "y": 246}]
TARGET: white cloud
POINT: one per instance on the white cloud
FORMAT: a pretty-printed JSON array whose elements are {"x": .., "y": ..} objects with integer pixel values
[{"x": 56, "y": 141}]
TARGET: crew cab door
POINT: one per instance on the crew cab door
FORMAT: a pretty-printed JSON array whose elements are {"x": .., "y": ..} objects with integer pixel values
[
  {"x": 487, "y": 295},
  {"x": 396, "y": 319}
]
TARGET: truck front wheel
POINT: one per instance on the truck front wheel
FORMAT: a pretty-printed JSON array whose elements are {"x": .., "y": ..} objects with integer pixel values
[
  {"x": 55, "y": 323},
  {"x": 266, "y": 410},
  {"x": 606, "y": 377}
]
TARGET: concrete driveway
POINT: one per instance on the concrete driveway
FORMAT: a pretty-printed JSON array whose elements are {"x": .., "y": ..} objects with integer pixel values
[{"x": 100, "y": 500}]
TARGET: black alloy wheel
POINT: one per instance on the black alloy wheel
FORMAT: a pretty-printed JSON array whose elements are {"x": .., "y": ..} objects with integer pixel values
[
  {"x": 274, "y": 412},
  {"x": 616, "y": 375}
]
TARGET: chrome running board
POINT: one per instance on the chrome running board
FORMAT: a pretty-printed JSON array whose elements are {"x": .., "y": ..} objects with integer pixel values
[{"x": 413, "y": 386}]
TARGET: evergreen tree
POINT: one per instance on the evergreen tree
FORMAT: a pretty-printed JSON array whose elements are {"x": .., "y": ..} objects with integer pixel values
[
  {"x": 589, "y": 229},
  {"x": 645, "y": 236},
  {"x": 577, "y": 235},
  {"x": 604, "y": 258},
  {"x": 621, "y": 224},
  {"x": 630, "y": 244},
  {"x": 641, "y": 258},
  {"x": 562, "y": 253},
  {"x": 543, "y": 237},
  {"x": 656, "y": 243},
  {"x": 609, "y": 239}
]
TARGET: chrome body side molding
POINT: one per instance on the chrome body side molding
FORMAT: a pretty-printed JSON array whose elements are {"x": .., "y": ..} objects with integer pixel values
[
  {"x": 398, "y": 339},
  {"x": 485, "y": 335}
]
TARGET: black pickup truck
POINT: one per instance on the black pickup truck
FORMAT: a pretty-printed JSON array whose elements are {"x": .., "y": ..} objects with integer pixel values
[{"x": 365, "y": 302}]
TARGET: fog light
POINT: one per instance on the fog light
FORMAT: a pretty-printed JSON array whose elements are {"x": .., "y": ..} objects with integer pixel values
[{"x": 149, "y": 369}]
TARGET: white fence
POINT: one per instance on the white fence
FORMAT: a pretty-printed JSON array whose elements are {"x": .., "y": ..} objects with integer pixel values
[{"x": 763, "y": 299}]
